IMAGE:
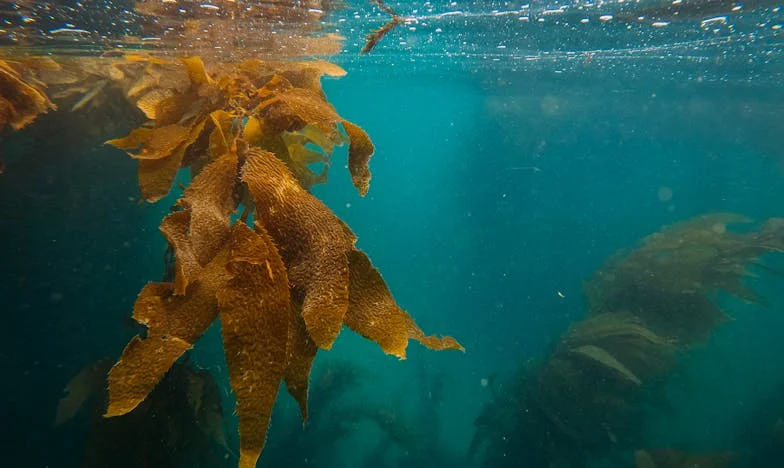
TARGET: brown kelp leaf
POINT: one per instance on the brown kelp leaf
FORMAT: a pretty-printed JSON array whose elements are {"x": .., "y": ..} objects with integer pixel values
[
  {"x": 179, "y": 108},
  {"x": 134, "y": 140},
  {"x": 316, "y": 136},
  {"x": 384, "y": 7},
  {"x": 606, "y": 359},
  {"x": 300, "y": 157},
  {"x": 435, "y": 343},
  {"x": 292, "y": 109},
  {"x": 174, "y": 323},
  {"x": 209, "y": 200},
  {"x": 253, "y": 132},
  {"x": 359, "y": 152},
  {"x": 150, "y": 102},
  {"x": 196, "y": 72},
  {"x": 221, "y": 136},
  {"x": 300, "y": 352},
  {"x": 374, "y": 37},
  {"x": 153, "y": 143},
  {"x": 374, "y": 314},
  {"x": 254, "y": 311},
  {"x": 186, "y": 266},
  {"x": 308, "y": 74},
  {"x": 157, "y": 175},
  {"x": 22, "y": 101},
  {"x": 88, "y": 382},
  {"x": 311, "y": 238}
]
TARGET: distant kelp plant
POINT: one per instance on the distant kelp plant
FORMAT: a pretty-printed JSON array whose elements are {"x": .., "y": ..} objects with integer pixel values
[
  {"x": 588, "y": 399},
  {"x": 248, "y": 243},
  {"x": 180, "y": 423}
]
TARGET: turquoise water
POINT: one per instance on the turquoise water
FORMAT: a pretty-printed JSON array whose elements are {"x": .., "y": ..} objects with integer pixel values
[{"x": 513, "y": 158}]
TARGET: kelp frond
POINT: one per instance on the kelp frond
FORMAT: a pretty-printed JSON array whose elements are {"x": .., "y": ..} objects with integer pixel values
[
  {"x": 669, "y": 279},
  {"x": 588, "y": 396},
  {"x": 375, "y": 37},
  {"x": 282, "y": 286},
  {"x": 22, "y": 99}
]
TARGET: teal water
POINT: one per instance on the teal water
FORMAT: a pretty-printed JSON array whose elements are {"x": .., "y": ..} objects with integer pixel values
[{"x": 503, "y": 178}]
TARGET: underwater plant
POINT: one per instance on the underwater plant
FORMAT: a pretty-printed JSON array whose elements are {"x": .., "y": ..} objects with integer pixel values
[
  {"x": 375, "y": 37},
  {"x": 672, "y": 279},
  {"x": 589, "y": 397},
  {"x": 284, "y": 276},
  {"x": 179, "y": 424},
  {"x": 21, "y": 100}
]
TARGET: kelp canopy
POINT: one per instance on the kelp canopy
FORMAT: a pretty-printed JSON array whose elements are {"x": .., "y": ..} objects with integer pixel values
[
  {"x": 588, "y": 399},
  {"x": 248, "y": 244}
]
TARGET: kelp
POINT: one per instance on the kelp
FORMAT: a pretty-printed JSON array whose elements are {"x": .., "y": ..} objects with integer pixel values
[
  {"x": 284, "y": 276},
  {"x": 179, "y": 424},
  {"x": 375, "y": 37},
  {"x": 588, "y": 391},
  {"x": 22, "y": 100},
  {"x": 671, "y": 279},
  {"x": 589, "y": 397},
  {"x": 279, "y": 107},
  {"x": 80, "y": 389}
]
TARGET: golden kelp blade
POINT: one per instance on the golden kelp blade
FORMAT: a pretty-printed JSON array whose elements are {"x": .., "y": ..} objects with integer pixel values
[
  {"x": 300, "y": 353},
  {"x": 153, "y": 143},
  {"x": 20, "y": 102},
  {"x": 157, "y": 175},
  {"x": 374, "y": 314},
  {"x": 359, "y": 153},
  {"x": 174, "y": 323},
  {"x": 210, "y": 201},
  {"x": 254, "y": 312},
  {"x": 186, "y": 267},
  {"x": 292, "y": 109},
  {"x": 312, "y": 240},
  {"x": 308, "y": 74},
  {"x": 300, "y": 156}
]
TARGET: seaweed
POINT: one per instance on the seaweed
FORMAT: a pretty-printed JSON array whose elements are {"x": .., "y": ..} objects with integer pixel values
[
  {"x": 375, "y": 37},
  {"x": 670, "y": 281},
  {"x": 179, "y": 424},
  {"x": 22, "y": 100},
  {"x": 282, "y": 278},
  {"x": 589, "y": 397}
]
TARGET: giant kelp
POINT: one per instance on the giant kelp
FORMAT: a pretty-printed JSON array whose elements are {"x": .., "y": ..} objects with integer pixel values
[
  {"x": 589, "y": 397},
  {"x": 179, "y": 424},
  {"x": 672, "y": 279},
  {"x": 284, "y": 276},
  {"x": 21, "y": 98}
]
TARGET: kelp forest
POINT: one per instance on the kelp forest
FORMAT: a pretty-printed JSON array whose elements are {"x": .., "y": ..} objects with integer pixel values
[{"x": 233, "y": 138}]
